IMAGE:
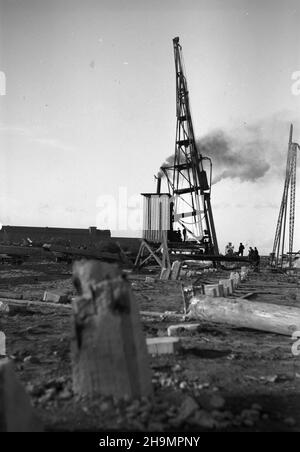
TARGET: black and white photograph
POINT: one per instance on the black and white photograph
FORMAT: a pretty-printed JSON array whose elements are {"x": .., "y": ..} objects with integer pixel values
[{"x": 149, "y": 219}]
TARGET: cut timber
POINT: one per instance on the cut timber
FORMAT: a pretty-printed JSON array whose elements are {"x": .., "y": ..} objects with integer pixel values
[
  {"x": 228, "y": 285},
  {"x": 30, "y": 303},
  {"x": 16, "y": 413},
  {"x": 2, "y": 344},
  {"x": 163, "y": 345},
  {"x": 166, "y": 314},
  {"x": 246, "y": 314},
  {"x": 54, "y": 297},
  {"x": 12, "y": 295},
  {"x": 173, "y": 330},
  {"x": 175, "y": 272},
  {"x": 215, "y": 290},
  {"x": 165, "y": 274},
  {"x": 109, "y": 352}
]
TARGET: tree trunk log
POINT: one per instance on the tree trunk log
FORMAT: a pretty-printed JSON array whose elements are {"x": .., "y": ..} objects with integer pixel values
[{"x": 267, "y": 317}]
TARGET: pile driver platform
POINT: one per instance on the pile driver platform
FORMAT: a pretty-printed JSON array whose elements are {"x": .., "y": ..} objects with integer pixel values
[{"x": 185, "y": 206}]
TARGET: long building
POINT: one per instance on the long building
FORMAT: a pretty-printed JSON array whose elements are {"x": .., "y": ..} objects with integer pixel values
[{"x": 17, "y": 234}]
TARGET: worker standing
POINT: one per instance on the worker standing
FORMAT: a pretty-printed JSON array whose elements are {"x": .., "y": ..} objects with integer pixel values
[
  {"x": 229, "y": 249},
  {"x": 251, "y": 253},
  {"x": 179, "y": 235},
  {"x": 256, "y": 259},
  {"x": 241, "y": 250},
  {"x": 184, "y": 231}
]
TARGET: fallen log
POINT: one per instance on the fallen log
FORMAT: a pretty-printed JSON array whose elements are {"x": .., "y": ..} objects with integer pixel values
[
  {"x": 29, "y": 303},
  {"x": 239, "y": 313}
]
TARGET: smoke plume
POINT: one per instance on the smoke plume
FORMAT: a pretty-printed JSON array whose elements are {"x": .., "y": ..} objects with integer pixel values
[
  {"x": 250, "y": 152},
  {"x": 235, "y": 158}
]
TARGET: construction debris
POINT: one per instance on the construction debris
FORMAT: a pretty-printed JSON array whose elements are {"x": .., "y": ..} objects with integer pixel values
[
  {"x": 175, "y": 329},
  {"x": 54, "y": 297},
  {"x": 163, "y": 345}
]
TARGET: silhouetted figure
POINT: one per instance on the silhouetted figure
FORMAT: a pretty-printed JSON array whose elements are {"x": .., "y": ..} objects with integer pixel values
[
  {"x": 184, "y": 231},
  {"x": 241, "y": 250},
  {"x": 179, "y": 235},
  {"x": 256, "y": 259},
  {"x": 251, "y": 254}
]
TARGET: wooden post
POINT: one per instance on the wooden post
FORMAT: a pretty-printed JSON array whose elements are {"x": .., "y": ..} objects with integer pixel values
[
  {"x": 16, "y": 413},
  {"x": 175, "y": 271},
  {"x": 109, "y": 352},
  {"x": 247, "y": 314}
]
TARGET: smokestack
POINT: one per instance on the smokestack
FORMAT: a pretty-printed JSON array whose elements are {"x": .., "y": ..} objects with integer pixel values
[
  {"x": 291, "y": 134},
  {"x": 158, "y": 184}
]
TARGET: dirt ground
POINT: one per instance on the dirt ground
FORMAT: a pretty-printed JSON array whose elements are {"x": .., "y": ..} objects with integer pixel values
[{"x": 222, "y": 379}]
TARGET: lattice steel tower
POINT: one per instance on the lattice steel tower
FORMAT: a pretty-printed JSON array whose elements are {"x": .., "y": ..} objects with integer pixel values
[
  {"x": 186, "y": 176},
  {"x": 287, "y": 208}
]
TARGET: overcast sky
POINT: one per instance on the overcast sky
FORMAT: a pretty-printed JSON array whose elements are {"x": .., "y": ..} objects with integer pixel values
[{"x": 90, "y": 105}]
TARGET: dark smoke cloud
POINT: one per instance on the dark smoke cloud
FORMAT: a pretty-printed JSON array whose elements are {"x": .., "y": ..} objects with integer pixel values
[
  {"x": 233, "y": 158},
  {"x": 250, "y": 152}
]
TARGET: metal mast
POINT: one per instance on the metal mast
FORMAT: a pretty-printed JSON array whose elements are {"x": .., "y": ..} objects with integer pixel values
[
  {"x": 187, "y": 178},
  {"x": 288, "y": 197}
]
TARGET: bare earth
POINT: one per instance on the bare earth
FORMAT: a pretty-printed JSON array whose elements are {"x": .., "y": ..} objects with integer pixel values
[{"x": 222, "y": 379}]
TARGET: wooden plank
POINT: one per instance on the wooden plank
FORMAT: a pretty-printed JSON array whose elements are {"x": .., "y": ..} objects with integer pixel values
[
  {"x": 237, "y": 312},
  {"x": 165, "y": 274},
  {"x": 163, "y": 345},
  {"x": 175, "y": 271},
  {"x": 109, "y": 352},
  {"x": 11, "y": 295},
  {"x": 29, "y": 303},
  {"x": 161, "y": 314},
  {"x": 248, "y": 295}
]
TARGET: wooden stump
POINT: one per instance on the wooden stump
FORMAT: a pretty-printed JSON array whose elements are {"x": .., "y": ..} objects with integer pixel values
[
  {"x": 109, "y": 350},
  {"x": 16, "y": 413}
]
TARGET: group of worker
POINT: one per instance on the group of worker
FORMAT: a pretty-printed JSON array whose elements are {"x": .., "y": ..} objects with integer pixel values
[
  {"x": 254, "y": 257},
  {"x": 253, "y": 254}
]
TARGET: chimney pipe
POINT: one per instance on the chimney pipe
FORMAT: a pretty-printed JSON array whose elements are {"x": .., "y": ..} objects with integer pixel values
[{"x": 158, "y": 185}]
